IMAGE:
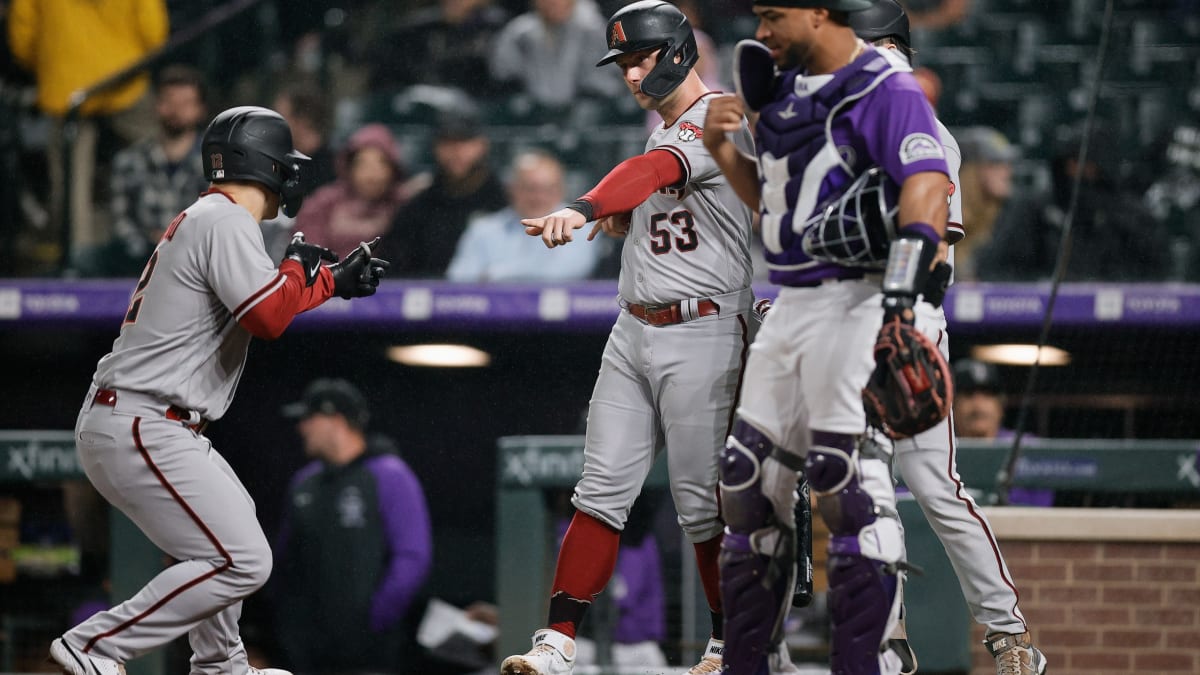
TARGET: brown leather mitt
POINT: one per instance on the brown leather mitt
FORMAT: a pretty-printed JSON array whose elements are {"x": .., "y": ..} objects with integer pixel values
[{"x": 911, "y": 389}]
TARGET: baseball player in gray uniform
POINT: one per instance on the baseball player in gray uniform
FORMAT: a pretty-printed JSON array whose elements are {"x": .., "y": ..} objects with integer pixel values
[
  {"x": 207, "y": 289},
  {"x": 928, "y": 460},
  {"x": 672, "y": 366}
]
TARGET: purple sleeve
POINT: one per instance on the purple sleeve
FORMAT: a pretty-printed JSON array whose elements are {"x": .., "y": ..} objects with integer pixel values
[
  {"x": 901, "y": 131},
  {"x": 406, "y": 526}
]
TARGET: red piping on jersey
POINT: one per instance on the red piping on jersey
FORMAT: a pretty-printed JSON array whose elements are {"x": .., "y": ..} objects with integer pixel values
[
  {"x": 218, "y": 191},
  {"x": 267, "y": 313},
  {"x": 970, "y": 505},
  {"x": 633, "y": 181},
  {"x": 162, "y": 480},
  {"x": 682, "y": 157}
]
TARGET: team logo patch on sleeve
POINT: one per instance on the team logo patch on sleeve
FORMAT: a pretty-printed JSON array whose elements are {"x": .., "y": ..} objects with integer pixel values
[
  {"x": 916, "y": 147},
  {"x": 690, "y": 132}
]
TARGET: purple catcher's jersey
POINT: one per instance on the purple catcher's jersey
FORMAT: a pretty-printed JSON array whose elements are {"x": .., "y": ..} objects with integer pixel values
[{"x": 821, "y": 132}]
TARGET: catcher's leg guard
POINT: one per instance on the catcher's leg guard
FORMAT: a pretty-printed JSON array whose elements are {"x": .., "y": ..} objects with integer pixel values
[
  {"x": 758, "y": 568},
  {"x": 856, "y": 498}
]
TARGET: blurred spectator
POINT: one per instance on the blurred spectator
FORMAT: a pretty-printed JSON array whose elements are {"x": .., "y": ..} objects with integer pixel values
[
  {"x": 425, "y": 233},
  {"x": 936, "y": 14},
  {"x": 362, "y": 203},
  {"x": 1113, "y": 237},
  {"x": 495, "y": 246},
  {"x": 1174, "y": 201},
  {"x": 986, "y": 183},
  {"x": 978, "y": 401},
  {"x": 930, "y": 84},
  {"x": 979, "y": 413},
  {"x": 550, "y": 53},
  {"x": 448, "y": 44},
  {"x": 70, "y": 45},
  {"x": 306, "y": 110},
  {"x": 354, "y": 548},
  {"x": 155, "y": 179}
]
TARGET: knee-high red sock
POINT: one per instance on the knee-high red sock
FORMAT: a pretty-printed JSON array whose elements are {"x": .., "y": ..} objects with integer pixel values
[
  {"x": 586, "y": 562},
  {"x": 710, "y": 578}
]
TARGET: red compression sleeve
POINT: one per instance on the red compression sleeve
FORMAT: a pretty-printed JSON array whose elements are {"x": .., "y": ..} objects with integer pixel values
[
  {"x": 632, "y": 181},
  {"x": 283, "y": 298}
]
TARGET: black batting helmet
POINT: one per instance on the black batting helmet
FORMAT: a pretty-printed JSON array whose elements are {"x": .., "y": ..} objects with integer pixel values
[
  {"x": 654, "y": 24},
  {"x": 254, "y": 144},
  {"x": 884, "y": 19}
]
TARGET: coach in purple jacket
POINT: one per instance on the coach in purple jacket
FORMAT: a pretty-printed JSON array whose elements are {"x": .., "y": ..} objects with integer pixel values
[{"x": 355, "y": 545}]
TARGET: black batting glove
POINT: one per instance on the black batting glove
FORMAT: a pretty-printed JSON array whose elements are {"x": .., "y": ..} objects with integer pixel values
[
  {"x": 358, "y": 275},
  {"x": 310, "y": 257},
  {"x": 937, "y": 284}
]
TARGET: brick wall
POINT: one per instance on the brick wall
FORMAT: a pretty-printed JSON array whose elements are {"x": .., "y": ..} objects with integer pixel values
[{"x": 1096, "y": 606}]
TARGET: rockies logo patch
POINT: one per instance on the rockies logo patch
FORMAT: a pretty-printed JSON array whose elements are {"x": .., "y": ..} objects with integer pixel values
[
  {"x": 916, "y": 147},
  {"x": 689, "y": 132}
]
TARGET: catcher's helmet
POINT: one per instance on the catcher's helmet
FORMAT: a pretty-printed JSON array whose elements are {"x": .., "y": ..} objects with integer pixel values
[
  {"x": 886, "y": 18},
  {"x": 254, "y": 144},
  {"x": 654, "y": 24}
]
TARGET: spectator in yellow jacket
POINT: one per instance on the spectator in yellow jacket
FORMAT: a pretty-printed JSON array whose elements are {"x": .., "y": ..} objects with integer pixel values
[{"x": 70, "y": 45}]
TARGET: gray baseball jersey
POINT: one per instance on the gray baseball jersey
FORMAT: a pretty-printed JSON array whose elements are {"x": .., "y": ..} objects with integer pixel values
[
  {"x": 180, "y": 345},
  {"x": 693, "y": 241},
  {"x": 674, "y": 385},
  {"x": 181, "y": 341}
]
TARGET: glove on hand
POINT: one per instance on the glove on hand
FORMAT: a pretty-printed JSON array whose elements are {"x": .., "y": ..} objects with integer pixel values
[
  {"x": 935, "y": 287},
  {"x": 358, "y": 275},
  {"x": 309, "y": 256},
  {"x": 911, "y": 389}
]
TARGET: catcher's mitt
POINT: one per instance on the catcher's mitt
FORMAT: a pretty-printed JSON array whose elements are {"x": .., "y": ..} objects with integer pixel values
[{"x": 911, "y": 388}]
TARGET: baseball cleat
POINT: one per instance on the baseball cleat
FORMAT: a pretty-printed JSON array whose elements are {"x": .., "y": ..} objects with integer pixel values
[
  {"x": 267, "y": 671},
  {"x": 1015, "y": 654},
  {"x": 75, "y": 662},
  {"x": 712, "y": 661},
  {"x": 553, "y": 654}
]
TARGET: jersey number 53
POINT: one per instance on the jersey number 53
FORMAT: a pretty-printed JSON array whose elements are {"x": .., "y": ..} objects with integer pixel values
[{"x": 674, "y": 230}]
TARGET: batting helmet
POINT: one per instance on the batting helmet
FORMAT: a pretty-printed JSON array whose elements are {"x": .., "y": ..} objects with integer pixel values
[
  {"x": 886, "y": 18},
  {"x": 254, "y": 144},
  {"x": 654, "y": 24}
]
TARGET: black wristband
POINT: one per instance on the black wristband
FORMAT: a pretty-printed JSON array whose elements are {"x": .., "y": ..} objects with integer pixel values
[{"x": 582, "y": 206}]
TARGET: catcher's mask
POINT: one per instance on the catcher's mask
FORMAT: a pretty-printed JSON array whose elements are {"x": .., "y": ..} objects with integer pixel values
[
  {"x": 654, "y": 24},
  {"x": 856, "y": 227},
  {"x": 254, "y": 144}
]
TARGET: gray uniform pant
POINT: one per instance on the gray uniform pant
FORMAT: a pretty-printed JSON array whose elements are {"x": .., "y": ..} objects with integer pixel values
[
  {"x": 184, "y": 496},
  {"x": 928, "y": 463}
]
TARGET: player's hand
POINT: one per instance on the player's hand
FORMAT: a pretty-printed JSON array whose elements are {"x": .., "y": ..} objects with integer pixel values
[
  {"x": 615, "y": 226},
  {"x": 310, "y": 257},
  {"x": 556, "y": 229},
  {"x": 358, "y": 275},
  {"x": 725, "y": 116}
]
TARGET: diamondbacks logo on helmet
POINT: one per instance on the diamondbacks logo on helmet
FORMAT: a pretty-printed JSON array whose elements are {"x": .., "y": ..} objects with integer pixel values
[
  {"x": 689, "y": 132},
  {"x": 617, "y": 37}
]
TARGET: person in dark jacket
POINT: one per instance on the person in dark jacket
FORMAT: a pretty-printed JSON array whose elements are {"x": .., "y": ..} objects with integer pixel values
[
  {"x": 355, "y": 548},
  {"x": 425, "y": 233}
]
